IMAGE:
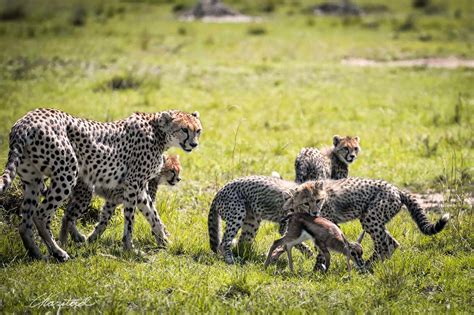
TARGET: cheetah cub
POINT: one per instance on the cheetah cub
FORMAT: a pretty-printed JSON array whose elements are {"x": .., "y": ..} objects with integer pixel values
[
  {"x": 325, "y": 236},
  {"x": 245, "y": 202},
  {"x": 374, "y": 203},
  {"x": 80, "y": 200},
  {"x": 329, "y": 163}
]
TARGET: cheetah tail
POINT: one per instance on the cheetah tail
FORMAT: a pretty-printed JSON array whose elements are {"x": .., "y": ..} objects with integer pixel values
[
  {"x": 14, "y": 156},
  {"x": 214, "y": 228},
  {"x": 419, "y": 216}
]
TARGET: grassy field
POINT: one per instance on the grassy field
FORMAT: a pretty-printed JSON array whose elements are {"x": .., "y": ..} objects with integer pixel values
[{"x": 264, "y": 90}]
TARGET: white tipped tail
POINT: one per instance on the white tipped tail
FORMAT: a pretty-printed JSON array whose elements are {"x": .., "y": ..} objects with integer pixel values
[{"x": 276, "y": 175}]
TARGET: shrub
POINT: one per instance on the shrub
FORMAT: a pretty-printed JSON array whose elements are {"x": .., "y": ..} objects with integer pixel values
[
  {"x": 256, "y": 30},
  {"x": 79, "y": 15},
  {"x": 120, "y": 82},
  {"x": 418, "y": 4},
  {"x": 408, "y": 24},
  {"x": 13, "y": 10}
]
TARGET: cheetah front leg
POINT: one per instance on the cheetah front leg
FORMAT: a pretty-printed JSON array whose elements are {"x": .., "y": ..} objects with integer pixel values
[
  {"x": 146, "y": 206},
  {"x": 129, "y": 204}
]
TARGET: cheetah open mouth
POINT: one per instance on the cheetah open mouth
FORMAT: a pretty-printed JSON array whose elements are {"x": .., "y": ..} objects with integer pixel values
[
  {"x": 184, "y": 147},
  {"x": 349, "y": 160},
  {"x": 171, "y": 183}
]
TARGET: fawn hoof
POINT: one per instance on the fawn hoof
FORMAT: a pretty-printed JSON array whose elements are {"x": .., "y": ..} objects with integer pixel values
[{"x": 276, "y": 254}]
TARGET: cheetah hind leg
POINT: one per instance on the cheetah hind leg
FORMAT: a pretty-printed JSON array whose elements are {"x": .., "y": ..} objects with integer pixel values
[
  {"x": 105, "y": 216},
  {"x": 30, "y": 201},
  {"x": 148, "y": 209},
  {"x": 232, "y": 227},
  {"x": 247, "y": 236},
  {"x": 384, "y": 243},
  {"x": 48, "y": 207},
  {"x": 77, "y": 206}
]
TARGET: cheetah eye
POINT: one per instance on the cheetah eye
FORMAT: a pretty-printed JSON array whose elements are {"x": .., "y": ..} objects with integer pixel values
[
  {"x": 185, "y": 130},
  {"x": 356, "y": 149},
  {"x": 198, "y": 131}
]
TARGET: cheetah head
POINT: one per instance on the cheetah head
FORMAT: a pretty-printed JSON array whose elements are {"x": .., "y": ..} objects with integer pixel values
[
  {"x": 171, "y": 169},
  {"x": 356, "y": 253},
  {"x": 308, "y": 197},
  {"x": 346, "y": 148},
  {"x": 182, "y": 129}
]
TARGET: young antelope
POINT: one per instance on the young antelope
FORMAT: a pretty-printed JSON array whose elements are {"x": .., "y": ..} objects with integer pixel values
[{"x": 325, "y": 234}]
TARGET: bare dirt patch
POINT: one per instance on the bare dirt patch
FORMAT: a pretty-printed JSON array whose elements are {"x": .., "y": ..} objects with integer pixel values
[
  {"x": 433, "y": 201},
  {"x": 223, "y": 19},
  {"x": 432, "y": 62},
  {"x": 214, "y": 11}
]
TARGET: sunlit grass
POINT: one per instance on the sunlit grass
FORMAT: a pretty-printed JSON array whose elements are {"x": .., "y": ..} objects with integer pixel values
[{"x": 261, "y": 98}]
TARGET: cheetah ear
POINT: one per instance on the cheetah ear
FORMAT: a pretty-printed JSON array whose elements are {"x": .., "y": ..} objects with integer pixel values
[
  {"x": 361, "y": 237},
  {"x": 288, "y": 205},
  {"x": 318, "y": 185},
  {"x": 357, "y": 139},
  {"x": 299, "y": 196},
  {"x": 164, "y": 119},
  {"x": 336, "y": 139},
  {"x": 195, "y": 114}
]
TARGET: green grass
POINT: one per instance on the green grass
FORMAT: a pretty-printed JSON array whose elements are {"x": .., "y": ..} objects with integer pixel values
[{"x": 261, "y": 98}]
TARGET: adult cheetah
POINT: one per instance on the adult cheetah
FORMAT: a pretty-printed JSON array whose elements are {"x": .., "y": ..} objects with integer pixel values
[
  {"x": 82, "y": 195},
  {"x": 126, "y": 153},
  {"x": 245, "y": 202},
  {"x": 373, "y": 202},
  {"x": 329, "y": 163}
]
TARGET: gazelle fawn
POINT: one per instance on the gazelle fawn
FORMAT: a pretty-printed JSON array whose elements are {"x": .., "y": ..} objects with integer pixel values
[{"x": 326, "y": 236}]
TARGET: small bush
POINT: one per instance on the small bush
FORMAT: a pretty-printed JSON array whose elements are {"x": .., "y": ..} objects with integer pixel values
[
  {"x": 268, "y": 7},
  {"x": 408, "y": 25},
  {"x": 79, "y": 15},
  {"x": 179, "y": 7},
  {"x": 12, "y": 11},
  {"x": 120, "y": 82},
  {"x": 256, "y": 31},
  {"x": 182, "y": 31},
  {"x": 419, "y": 4}
]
